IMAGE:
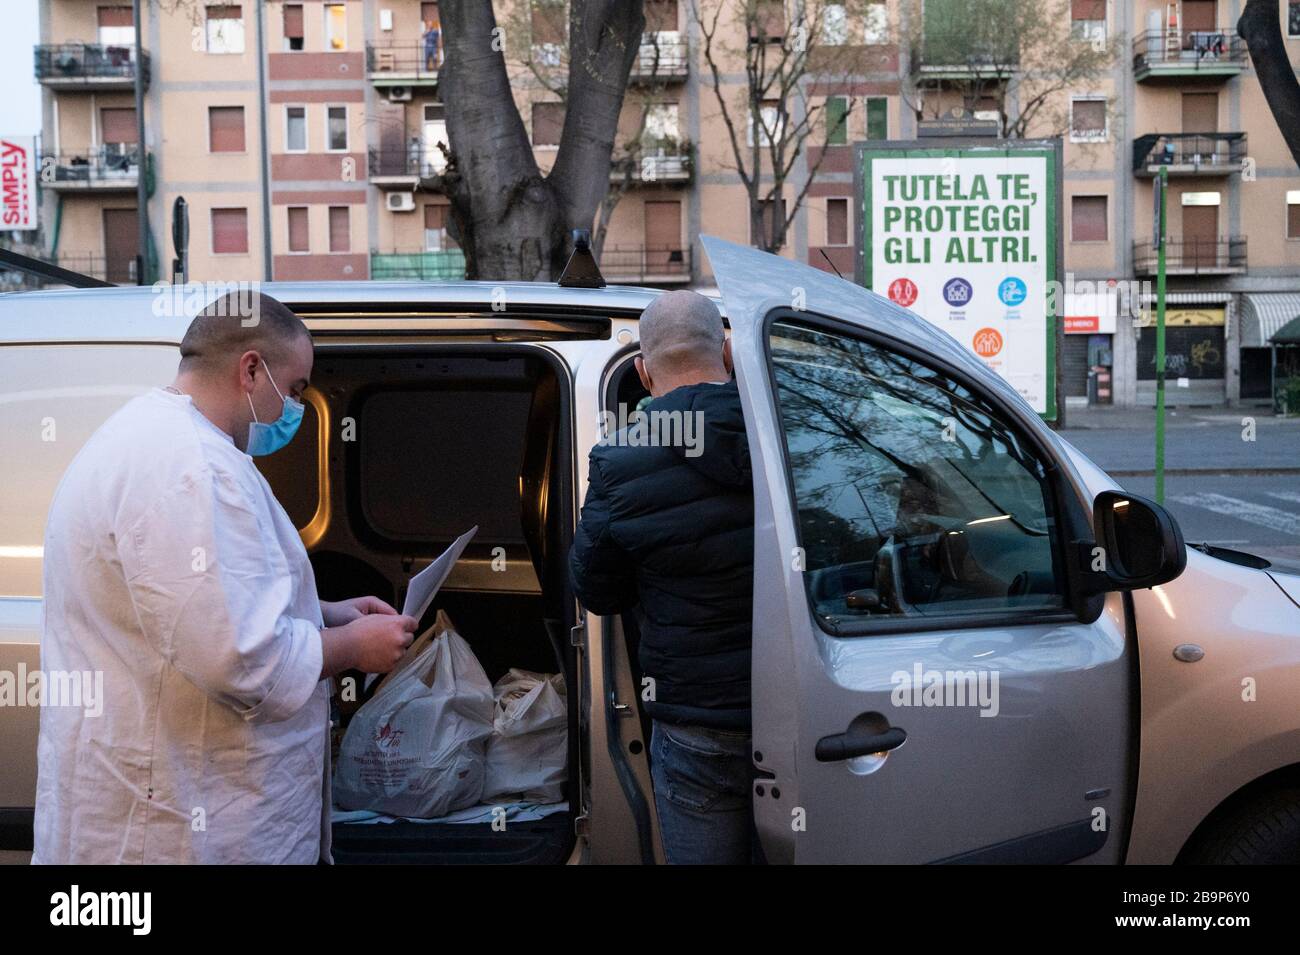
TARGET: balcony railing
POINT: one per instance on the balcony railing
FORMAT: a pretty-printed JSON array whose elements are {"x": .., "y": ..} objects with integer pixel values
[
  {"x": 958, "y": 55},
  {"x": 404, "y": 62},
  {"x": 637, "y": 264},
  {"x": 667, "y": 165},
  {"x": 446, "y": 266},
  {"x": 1162, "y": 53},
  {"x": 106, "y": 168},
  {"x": 1189, "y": 154},
  {"x": 1185, "y": 256},
  {"x": 91, "y": 65},
  {"x": 660, "y": 58},
  {"x": 411, "y": 163}
]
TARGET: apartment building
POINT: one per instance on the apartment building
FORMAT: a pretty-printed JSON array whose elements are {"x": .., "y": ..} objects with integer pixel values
[{"x": 304, "y": 136}]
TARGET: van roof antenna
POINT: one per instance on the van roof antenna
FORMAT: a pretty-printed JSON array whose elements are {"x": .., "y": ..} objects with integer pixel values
[
  {"x": 830, "y": 263},
  {"x": 581, "y": 270}
]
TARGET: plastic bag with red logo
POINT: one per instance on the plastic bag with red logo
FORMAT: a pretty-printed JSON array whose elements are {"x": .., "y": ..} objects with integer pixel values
[{"x": 417, "y": 747}]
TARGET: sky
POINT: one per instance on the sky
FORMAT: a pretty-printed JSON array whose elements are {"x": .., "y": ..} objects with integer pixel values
[{"x": 20, "y": 102}]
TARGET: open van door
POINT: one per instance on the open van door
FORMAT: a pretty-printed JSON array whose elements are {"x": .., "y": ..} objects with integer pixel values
[{"x": 925, "y": 688}]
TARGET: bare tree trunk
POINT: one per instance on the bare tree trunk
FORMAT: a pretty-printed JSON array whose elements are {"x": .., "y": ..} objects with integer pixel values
[
  {"x": 513, "y": 222},
  {"x": 1261, "y": 28}
]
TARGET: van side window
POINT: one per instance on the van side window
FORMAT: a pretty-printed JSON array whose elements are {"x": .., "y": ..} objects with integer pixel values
[
  {"x": 52, "y": 399},
  {"x": 913, "y": 498}
]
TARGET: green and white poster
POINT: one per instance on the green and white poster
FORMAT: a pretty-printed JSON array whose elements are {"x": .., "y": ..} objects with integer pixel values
[{"x": 966, "y": 237}]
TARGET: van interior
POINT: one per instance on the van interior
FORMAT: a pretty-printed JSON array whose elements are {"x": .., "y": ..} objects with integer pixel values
[{"x": 403, "y": 447}]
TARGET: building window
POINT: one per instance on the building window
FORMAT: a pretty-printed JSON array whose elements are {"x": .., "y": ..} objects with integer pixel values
[
  {"x": 1293, "y": 214},
  {"x": 767, "y": 21},
  {"x": 116, "y": 26},
  {"x": 661, "y": 16},
  {"x": 299, "y": 229},
  {"x": 1088, "y": 219},
  {"x": 118, "y": 130},
  {"x": 229, "y": 231},
  {"x": 1087, "y": 120},
  {"x": 877, "y": 118},
  {"x": 336, "y": 27},
  {"x": 1293, "y": 19},
  {"x": 340, "y": 229},
  {"x": 436, "y": 236},
  {"x": 293, "y": 27},
  {"x": 225, "y": 25},
  {"x": 295, "y": 129},
  {"x": 876, "y": 24},
  {"x": 837, "y": 222},
  {"x": 1088, "y": 21},
  {"x": 770, "y": 228},
  {"x": 837, "y": 120},
  {"x": 226, "y": 129},
  {"x": 336, "y": 129},
  {"x": 835, "y": 25},
  {"x": 549, "y": 21},
  {"x": 548, "y": 123},
  {"x": 769, "y": 122}
]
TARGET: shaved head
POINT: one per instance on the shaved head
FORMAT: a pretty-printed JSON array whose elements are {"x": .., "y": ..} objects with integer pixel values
[
  {"x": 681, "y": 331},
  {"x": 229, "y": 327}
]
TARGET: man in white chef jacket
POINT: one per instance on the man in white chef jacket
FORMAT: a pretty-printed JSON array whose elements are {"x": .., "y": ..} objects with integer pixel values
[{"x": 171, "y": 569}]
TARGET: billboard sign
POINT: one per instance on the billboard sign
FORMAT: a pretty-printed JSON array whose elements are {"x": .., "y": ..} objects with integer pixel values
[
  {"x": 17, "y": 183},
  {"x": 966, "y": 237}
]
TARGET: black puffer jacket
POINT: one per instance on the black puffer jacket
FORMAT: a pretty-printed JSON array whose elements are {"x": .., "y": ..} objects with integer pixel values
[{"x": 672, "y": 535}]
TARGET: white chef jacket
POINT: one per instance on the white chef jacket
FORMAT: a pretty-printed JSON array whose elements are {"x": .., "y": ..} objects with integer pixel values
[{"x": 171, "y": 569}]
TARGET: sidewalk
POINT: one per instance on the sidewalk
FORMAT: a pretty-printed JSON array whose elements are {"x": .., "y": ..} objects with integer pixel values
[{"x": 1109, "y": 417}]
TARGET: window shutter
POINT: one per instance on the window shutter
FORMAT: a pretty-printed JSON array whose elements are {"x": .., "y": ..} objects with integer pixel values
[
  {"x": 1293, "y": 221},
  {"x": 1088, "y": 116},
  {"x": 1088, "y": 219},
  {"x": 115, "y": 17},
  {"x": 299, "y": 232},
  {"x": 117, "y": 125},
  {"x": 340, "y": 229},
  {"x": 837, "y": 222},
  {"x": 230, "y": 230},
  {"x": 548, "y": 123},
  {"x": 293, "y": 21},
  {"x": 225, "y": 11},
  {"x": 877, "y": 118},
  {"x": 661, "y": 16},
  {"x": 226, "y": 129},
  {"x": 837, "y": 121},
  {"x": 1087, "y": 9}
]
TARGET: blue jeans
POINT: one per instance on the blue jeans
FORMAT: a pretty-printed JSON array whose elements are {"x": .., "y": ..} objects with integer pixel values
[{"x": 703, "y": 782}]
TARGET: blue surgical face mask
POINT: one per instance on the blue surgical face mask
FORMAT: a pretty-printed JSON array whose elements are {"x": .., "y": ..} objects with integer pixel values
[{"x": 269, "y": 438}]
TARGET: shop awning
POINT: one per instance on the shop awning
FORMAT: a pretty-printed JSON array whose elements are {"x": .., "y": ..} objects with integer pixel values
[
  {"x": 1288, "y": 334},
  {"x": 1264, "y": 313}
]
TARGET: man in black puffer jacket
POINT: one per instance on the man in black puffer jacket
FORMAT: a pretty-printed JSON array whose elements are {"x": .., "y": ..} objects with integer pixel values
[{"x": 668, "y": 530}]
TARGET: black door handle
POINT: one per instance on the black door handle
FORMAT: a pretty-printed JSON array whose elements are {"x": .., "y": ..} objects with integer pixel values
[{"x": 853, "y": 742}]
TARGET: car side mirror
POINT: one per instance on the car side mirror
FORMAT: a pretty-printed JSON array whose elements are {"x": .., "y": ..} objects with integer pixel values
[{"x": 1139, "y": 543}]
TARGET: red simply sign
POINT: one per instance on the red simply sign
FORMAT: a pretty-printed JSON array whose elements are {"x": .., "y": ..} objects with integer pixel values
[{"x": 17, "y": 183}]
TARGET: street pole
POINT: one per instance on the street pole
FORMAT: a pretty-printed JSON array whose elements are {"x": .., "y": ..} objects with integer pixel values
[
  {"x": 142, "y": 157},
  {"x": 1160, "y": 339}
]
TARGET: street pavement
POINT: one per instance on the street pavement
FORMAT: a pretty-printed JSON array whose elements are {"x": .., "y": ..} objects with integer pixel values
[{"x": 1232, "y": 478}]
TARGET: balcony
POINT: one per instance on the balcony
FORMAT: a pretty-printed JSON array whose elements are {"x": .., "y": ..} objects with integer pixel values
[
  {"x": 1188, "y": 154},
  {"x": 668, "y": 165},
  {"x": 1221, "y": 256},
  {"x": 397, "y": 168},
  {"x": 403, "y": 63},
  {"x": 446, "y": 266},
  {"x": 637, "y": 265},
  {"x": 663, "y": 58},
  {"x": 1160, "y": 55},
  {"x": 111, "y": 168},
  {"x": 90, "y": 66},
  {"x": 959, "y": 57}
]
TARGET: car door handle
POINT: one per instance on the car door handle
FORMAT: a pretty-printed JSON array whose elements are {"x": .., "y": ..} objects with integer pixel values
[{"x": 853, "y": 743}]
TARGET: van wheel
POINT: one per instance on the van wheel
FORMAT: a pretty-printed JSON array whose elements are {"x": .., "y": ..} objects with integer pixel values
[{"x": 1263, "y": 830}]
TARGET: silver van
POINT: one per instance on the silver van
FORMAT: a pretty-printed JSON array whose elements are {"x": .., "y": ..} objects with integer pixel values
[{"x": 970, "y": 645}]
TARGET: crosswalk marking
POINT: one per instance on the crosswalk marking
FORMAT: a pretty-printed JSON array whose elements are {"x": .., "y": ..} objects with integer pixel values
[{"x": 1260, "y": 515}]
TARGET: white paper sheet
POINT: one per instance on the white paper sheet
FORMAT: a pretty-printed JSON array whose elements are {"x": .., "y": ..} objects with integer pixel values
[{"x": 424, "y": 585}]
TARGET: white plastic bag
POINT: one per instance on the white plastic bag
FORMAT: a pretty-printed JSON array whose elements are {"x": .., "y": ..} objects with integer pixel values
[
  {"x": 417, "y": 747},
  {"x": 528, "y": 751}
]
